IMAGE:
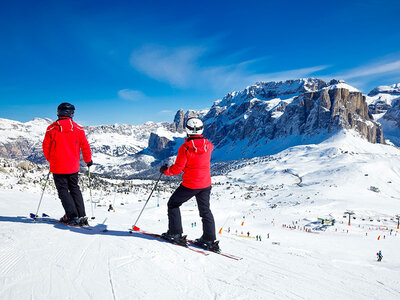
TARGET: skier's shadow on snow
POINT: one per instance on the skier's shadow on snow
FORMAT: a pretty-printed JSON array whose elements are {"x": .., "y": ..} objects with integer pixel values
[{"x": 99, "y": 229}]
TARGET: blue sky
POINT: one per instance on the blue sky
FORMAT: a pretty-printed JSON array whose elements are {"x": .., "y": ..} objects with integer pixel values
[{"x": 137, "y": 61}]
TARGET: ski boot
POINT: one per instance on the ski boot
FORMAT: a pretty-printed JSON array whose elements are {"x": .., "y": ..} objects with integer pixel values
[
  {"x": 83, "y": 221},
  {"x": 175, "y": 238},
  {"x": 73, "y": 222},
  {"x": 208, "y": 245}
]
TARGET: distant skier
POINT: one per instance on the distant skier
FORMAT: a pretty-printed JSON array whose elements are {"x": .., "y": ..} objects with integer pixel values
[
  {"x": 62, "y": 144},
  {"x": 110, "y": 208},
  {"x": 194, "y": 160},
  {"x": 379, "y": 255}
]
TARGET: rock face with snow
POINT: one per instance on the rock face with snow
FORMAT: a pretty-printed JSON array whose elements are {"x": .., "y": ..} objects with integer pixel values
[
  {"x": 269, "y": 111},
  {"x": 381, "y": 98},
  {"x": 181, "y": 117},
  {"x": 384, "y": 105},
  {"x": 329, "y": 110},
  {"x": 116, "y": 148},
  {"x": 22, "y": 140},
  {"x": 393, "y": 114},
  {"x": 120, "y": 140},
  {"x": 386, "y": 89}
]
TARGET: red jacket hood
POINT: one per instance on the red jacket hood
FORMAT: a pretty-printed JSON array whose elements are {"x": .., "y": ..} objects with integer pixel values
[
  {"x": 64, "y": 125},
  {"x": 197, "y": 144}
]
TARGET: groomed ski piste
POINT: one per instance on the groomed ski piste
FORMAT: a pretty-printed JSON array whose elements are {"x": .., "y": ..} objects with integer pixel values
[{"x": 301, "y": 259}]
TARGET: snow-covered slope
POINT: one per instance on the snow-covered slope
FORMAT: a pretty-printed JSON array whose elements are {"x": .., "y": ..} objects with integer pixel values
[{"x": 279, "y": 198}]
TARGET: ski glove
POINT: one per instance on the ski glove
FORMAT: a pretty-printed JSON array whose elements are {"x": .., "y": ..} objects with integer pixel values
[
  {"x": 163, "y": 168},
  {"x": 89, "y": 163}
]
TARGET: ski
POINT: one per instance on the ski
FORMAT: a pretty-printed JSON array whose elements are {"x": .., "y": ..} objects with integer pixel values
[
  {"x": 231, "y": 256},
  {"x": 47, "y": 219},
  {"x": 158, "y": 236}
]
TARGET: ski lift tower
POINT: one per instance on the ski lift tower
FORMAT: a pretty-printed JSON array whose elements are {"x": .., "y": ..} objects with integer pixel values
[
  {"x": 398, "y": 220},
  {"x": 350, "y": 213}
]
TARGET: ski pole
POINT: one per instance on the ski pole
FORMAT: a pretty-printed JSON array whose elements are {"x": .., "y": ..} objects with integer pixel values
[
  {"x": 134, "y": 225},
  {"x": 41, "y": 197},
  {"x": 226, "y": 221},
  {"x": 90, "y": 191}
]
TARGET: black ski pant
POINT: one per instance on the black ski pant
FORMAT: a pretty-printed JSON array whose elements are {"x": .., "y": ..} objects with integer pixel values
[
  {"x": 70, "y": 194},
  {"x": 180, "y": 196}
]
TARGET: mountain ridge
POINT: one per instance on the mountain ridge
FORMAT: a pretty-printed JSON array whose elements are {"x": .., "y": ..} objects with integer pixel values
[{"x": 259, "y": 120}]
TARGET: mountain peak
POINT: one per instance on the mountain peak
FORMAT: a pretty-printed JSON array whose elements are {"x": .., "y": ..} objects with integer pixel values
[
  {"x": 393, "y": 89},
  {"x": 266, "y": 90}
]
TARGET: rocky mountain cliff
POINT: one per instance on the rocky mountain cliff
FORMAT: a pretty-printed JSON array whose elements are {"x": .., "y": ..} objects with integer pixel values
[{"x": 270, "y": 116}]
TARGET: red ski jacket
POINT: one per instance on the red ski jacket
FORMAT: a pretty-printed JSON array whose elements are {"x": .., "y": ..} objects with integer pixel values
[
  {"x": 62, "y": 144},
  {"x": 194, "y": 160}
]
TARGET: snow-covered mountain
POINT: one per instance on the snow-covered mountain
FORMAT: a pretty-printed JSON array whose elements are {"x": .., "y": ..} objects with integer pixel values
[
  {"x": 262, "y": 119},
  {"x": 382, "y": 98},
  {"x": 393, "y": 89},
  {"x": 22, "y": 140},
  {"x": 115, "y": 147},
  {"x": 268, "y": 117},
  {"x": 384, "y": 104}
]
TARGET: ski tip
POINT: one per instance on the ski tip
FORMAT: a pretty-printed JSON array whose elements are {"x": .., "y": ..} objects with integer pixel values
[{"x": 135, "y": 228}]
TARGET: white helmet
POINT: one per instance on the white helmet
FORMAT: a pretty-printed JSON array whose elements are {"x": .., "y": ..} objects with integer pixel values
[{"x": 194, "y": 126}]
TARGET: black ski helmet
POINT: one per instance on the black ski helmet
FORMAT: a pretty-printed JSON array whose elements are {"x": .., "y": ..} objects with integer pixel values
[{"x": 65, "y": 110}]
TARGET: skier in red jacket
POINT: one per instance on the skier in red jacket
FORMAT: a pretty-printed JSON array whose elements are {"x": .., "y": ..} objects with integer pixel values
[
  {"x": 62, "y": 144},
  {"x": 194, "y": 160}
]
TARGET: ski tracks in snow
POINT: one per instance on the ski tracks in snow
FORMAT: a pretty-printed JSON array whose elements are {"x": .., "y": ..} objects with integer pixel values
[
  {"x": 111, "y": 282},
  {"x": 10, "y": 256}
]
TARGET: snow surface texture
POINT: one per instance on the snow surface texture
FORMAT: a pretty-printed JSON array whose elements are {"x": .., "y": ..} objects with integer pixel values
[{"x": 271, "y": 195}]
